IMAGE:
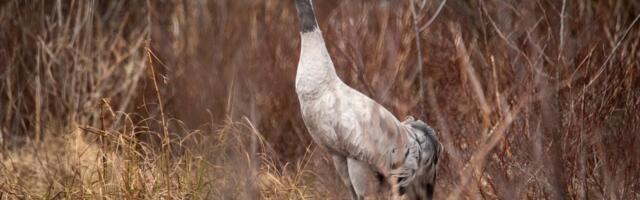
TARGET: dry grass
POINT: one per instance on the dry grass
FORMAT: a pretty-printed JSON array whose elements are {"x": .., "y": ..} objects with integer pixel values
[
  {"x": 121, "y": 166},
  {"x": 195, "y": 100}
]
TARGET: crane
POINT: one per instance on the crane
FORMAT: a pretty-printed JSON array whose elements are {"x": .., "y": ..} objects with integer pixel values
[{"x": 373, "y": 152}]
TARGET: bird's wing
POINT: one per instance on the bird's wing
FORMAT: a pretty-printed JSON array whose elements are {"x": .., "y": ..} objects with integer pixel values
[
  {"x": 398, "y": 150},
  {"x": 373, "y": 134}
]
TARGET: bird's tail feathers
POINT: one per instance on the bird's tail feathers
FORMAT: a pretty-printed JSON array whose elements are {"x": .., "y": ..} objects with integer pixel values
[
  {"x": 427, "y": 132},
  {"x": 424, "y": 135}
]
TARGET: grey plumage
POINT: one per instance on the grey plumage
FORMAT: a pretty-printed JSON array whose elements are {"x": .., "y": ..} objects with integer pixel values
[
  {"x": 423, "y": 186},
  {"x": 373, "y": 152}
]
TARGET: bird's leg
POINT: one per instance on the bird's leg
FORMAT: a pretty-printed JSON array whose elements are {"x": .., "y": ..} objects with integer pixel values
[
  {"x": 340, "y": 163},
  {"x": 366, "y": 182}
]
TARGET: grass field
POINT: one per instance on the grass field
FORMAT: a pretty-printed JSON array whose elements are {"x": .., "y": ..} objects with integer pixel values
[{"x": 195, "y": 99}]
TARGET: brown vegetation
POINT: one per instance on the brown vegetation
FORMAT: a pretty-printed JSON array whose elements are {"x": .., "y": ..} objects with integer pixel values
[{"x": 195, "y": 99}]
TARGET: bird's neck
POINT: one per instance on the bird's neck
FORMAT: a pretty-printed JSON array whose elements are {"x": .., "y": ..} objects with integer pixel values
[{"x": 315, "y": 69}]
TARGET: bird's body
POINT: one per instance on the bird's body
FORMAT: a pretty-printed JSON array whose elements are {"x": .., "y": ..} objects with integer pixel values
[
  {"x": 340, "y": 119},
  {"x": 372, "y": 150}
]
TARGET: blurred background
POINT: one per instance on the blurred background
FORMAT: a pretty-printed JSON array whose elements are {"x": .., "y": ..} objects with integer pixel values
[{"x": 178, "y": 99}]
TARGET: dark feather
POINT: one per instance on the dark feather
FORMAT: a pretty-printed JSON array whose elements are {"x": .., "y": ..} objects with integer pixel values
[{"x": 306, "y": 16}]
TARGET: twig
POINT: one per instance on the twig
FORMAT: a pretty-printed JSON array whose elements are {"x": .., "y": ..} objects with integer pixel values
[
  {"x": 602, "y": 67},
  {"x": 477, "y": 160},
  {"x": 418, "y": 70},
  {"x": 562, "y": 16},
  {"x": 434, "y": 16}
]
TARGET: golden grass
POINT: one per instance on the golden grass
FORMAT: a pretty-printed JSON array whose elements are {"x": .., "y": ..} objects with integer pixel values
[{"x": 75, "y": 167}]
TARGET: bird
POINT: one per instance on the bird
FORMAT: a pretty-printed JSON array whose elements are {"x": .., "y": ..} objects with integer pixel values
[{"x": 373, "y": 152}]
